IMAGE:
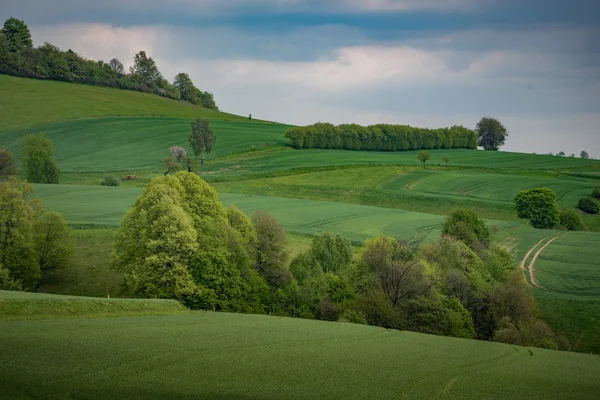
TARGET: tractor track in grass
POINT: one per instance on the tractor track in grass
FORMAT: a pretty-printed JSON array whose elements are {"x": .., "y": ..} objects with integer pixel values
[{"x": 531, "y": 267}]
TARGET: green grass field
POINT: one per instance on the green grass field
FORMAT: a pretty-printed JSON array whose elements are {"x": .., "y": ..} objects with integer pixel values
[
  {"x": 99, "y": 131},
  {"x": 236, "y": 356},
  {"x": 21, "y": 305}
]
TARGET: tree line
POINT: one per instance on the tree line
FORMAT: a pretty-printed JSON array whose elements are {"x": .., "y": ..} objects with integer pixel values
[
  {"x": 19, "y": 57},
  {"x": 381, "y": 137},
  {"x": 178, "y": 241}
]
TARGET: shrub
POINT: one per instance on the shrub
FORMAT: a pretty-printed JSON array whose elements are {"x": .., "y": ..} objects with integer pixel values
[
  {"x": 570, "y": 219},
  {"x": 327, "y": 310},
  {"x": 588, "y": 205},
  {"x": 110, "y": 181},
  {"x": 539, "y": 206},
  {"x": 466, "y": 226},
  {"x": 8, "y": 165},
  {"x": 596, "y": 192},
  {"x": 353, "y": 316}
]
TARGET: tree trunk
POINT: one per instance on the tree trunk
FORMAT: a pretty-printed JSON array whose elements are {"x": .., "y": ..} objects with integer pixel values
[{"x": 202, "y": 158}]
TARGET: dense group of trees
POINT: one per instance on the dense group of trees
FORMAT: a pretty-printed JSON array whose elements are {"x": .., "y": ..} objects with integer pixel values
[
  {"x": 32, "y": 240},
  {"x": 179, "y": 242},
  {"x": 19, "y": 57},
  {"x": 380, "y": 137}
]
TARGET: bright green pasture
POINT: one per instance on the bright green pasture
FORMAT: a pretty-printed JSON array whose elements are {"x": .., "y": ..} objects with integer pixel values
[
  {"x": 27, "y": 102},
  {"x": 237, "y": 356},
  {"x": 134, "y": 143},
  {"x": 22, "y": 305},
  {"x": 106, "y": 206}
]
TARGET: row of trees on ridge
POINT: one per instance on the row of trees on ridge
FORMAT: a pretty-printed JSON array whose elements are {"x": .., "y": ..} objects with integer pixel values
[{"x": 19, "y": 57}]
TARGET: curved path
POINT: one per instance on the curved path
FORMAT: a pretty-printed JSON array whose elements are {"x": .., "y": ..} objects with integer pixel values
[{"x": 531, "y": 265}]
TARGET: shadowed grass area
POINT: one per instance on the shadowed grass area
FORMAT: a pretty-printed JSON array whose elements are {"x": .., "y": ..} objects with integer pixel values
[{"x": 236, "y": 356}]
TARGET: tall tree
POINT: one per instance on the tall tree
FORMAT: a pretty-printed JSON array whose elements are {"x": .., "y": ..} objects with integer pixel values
[
  {"x": 202, "y": 138},
  {"x": 492, "y": 134},
  {"x": 38, "y": 153},
  {"x": 423, "y": 156},
  {"x": 117, "y": 66},
  {"x": 146, "y": 68},
  {"x": 17, "y": 35},
  {"x": 8, "y": 165},
  {"x": 186, "y": 87},
  {"x": 584, "y": 154},
  {"x": 51, "y": 240}
]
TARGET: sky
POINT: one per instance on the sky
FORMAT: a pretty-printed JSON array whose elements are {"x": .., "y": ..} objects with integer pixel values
[{"x": 533, "y": 64}]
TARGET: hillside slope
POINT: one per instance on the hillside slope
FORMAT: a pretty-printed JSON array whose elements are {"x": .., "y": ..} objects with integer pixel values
[
  {"x": 27, "y": 102},
  {"x": 235, "y": 356}
]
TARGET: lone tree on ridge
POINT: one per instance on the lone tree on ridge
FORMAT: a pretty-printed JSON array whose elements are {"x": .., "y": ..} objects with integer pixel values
[{"x": 492, "y": 134}]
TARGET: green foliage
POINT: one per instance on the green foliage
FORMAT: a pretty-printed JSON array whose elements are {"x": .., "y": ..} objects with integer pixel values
[
  {"x": 39, "y": 164},
  {"x": 110, "y": 180},
  {"x": 459, "y": 322},
  {"x": 8, "y": 165},
  {"x": 17, "y": 35},
  {"x": 570, "y": 219},
  {"x": 584, "y": 155},
  {"x": 379, "y": 137},
  {"x": 202, "y": 138},
  {"x": 423, "y": 156},
  {"x": 492, "y": 134},
  {"x": 596, "y": 192},
  {"x": 52, "y": 243},
  {"x": 271, "y": 255},
  {"x": 446, "y": 160},
  {"x": 539, "y": 207},
  {"x": 466, "y": 226},
  {"x": 331, "y": 251},
  {"x": 7, "y": 282},
  {"x": 588, "y": 205},
  {"x": 17, "y": 216}
]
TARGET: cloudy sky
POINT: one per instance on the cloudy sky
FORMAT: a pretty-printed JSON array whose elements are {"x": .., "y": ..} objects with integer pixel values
[{"x": 534, "y": 64}]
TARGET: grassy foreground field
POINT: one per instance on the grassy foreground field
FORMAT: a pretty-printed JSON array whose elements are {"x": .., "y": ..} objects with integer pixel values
[{"x": 234, "y": 356}]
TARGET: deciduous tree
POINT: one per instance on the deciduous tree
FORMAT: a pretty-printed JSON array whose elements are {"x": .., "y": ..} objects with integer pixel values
[
  {"x": 8, "y": 165},
  {"x": 17, "y": 34},
  {"x": 38, "y": 161},
  {"x": 539, "y": 206},
  {"x": 423, "y": 156},
  {"x": 202, "y": 138},
  {"x": 492, "y": 134}
]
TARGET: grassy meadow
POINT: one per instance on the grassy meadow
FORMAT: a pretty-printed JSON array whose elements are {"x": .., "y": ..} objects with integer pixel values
[
  {"x": 236, "y": 356},
  {"x": 161, "y": 350}
]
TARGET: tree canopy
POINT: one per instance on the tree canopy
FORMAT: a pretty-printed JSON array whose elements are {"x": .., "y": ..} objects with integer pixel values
[
  {"x": 492, "y": 134},
  {"x": 539, "y": 206},
  {"x": 38, "y": 159},
  {"x": 202, "y": 138}
]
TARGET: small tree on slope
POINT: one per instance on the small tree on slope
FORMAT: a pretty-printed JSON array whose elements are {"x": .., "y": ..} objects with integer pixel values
[{"x": 539, "y": 206}]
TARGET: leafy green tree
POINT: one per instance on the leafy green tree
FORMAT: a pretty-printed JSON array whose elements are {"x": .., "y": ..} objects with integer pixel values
[
  {"x": 202, "y": 138},
  {"x": 117, "y": 66},
  {"x": 271, "y": 255},
  {"x": 570, "y": 219},
  {"x": 492, "y": 134},
  {"x": 39, "y": 164},
  {"x": 17, "y": 35},
  {"x": 561, "y": 154},
  {"x": 146, "y": 68},
  {"x": 186, "y": 87},
  {"x": 331, "y": 251},
  {"x": 588, "y": 205},
  {"x": 446, "y": 160},
  {"x": 584, "y": 154},
  {"x": 423, "y": 156},
  {"x": 17, "y": 253},
  {"x": 399, "y": 273},
  {"x": 8, "y": 165},
  {"x": 539, "y": 206},
  {"x": 465, "y": 225},
  {"x": 52, "y": 244}
]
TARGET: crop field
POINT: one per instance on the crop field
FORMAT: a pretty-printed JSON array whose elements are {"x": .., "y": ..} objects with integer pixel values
[
  {"x": 134, "y": 143},
  {"x": 27, "y": 102},
  {"x": 236, "y": 356}
]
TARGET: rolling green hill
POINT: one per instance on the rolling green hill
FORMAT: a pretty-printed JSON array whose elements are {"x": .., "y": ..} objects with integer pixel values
[
  {"x": 99, "y": 131},
  {"x": 234, "y": 356}
]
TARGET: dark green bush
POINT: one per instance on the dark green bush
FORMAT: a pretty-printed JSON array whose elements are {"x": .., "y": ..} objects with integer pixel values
[
  {"x": 539, "y": 206},
  {"x": 466, "y": 226},
  {"x": 110, "y": 181},
  {"x": 588, "y": 205},
  {"x": 596, "y": 192},
  {"x": 570, "y": 219}
]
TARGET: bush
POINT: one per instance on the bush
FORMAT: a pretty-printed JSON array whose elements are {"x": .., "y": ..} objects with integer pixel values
[
  {"x": 466, "y": 226},
  {"x": 110, "y": 181},
  {"x": 570, "y": 219},
  {"x": 8, "y": 165},
  {"x": 327, "y": 310},
  {"x": 588, "y": 205},
  {"x": 596, "y": 192},
  {"x": 539, "y": 206}
]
